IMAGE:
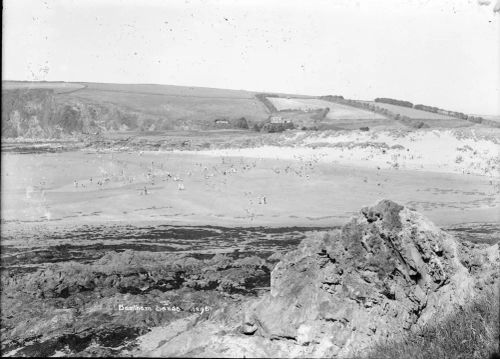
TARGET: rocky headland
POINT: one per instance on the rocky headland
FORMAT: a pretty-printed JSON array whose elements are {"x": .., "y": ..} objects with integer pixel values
[{"x": 386, "y": 274}]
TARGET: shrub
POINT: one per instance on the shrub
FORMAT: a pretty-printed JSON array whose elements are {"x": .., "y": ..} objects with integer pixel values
[
  {"x": 70, "y": 119},
  {"x": 426, "y": 108},
  {"x": 277, "y": 127},
  {"x": 394, "y": 101},
  {"x": 420, "y": 124},
  {"x": 257, "y": 127},
  {"x": 331, "y": 98},
  {"x": 240, "y": 123},
  {"x": 129, "y": 120},
  {"x": 471, "y": 332},
  {"x": 320, "y": 114}
]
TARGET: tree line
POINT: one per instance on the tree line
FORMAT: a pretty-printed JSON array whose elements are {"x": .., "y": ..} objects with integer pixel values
[
  {"x": 405, "y": 119},
  {"x": 433, "y": 109}
]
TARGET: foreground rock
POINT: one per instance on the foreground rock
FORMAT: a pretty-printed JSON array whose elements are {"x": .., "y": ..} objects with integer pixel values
[
  {"x": 68, "y": 307},
  {"x": 384, "y": 274},
  {"x": 385, "y": 271}
]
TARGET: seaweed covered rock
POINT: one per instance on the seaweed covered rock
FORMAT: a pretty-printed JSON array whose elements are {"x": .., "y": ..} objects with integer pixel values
[
  {"x": 141, "y": 272},
  {"x": 73, "y": 303},
  {"x": 385, "y": 272}
]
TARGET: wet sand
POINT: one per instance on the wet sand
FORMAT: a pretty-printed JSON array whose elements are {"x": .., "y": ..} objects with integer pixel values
[{"x": 73, "y": 188}]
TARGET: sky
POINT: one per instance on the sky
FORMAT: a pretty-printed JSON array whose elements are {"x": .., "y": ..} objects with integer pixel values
[{"x": 437, "y": 52}]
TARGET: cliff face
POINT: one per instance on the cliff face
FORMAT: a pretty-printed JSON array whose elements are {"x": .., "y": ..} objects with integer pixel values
[
  {"x": 26, "y": 113},
  {"x": 38, "y": 113}
]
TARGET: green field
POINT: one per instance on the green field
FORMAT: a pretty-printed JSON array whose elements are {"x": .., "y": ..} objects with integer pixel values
[
  {"x": 339, "y": 117},
  {"x": 411, "y": 112},
  {"x": 55, "y": 109},
  {"x": 430, "y": 119},
  {"x": 337, "y": 111},
  {"x": 48, "y": 110},
  {"x": 174, "y": 102}
]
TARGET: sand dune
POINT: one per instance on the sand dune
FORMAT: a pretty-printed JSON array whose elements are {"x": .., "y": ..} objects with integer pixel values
[{"x": 434, "y": 151}]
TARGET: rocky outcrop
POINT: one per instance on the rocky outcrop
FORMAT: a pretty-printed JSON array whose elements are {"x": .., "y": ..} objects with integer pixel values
[
  {"x": 70, "y": 305},
  {"x": 142, "y": 272},
  {"x": 383, "y": 275},
  {"x": 386, "y": 271},
  {"x": 41, "y": 114}
]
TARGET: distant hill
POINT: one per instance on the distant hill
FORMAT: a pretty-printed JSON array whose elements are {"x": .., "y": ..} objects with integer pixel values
[
  {"x": 415, "y": 116},
  {"x": 443, "y": 118},
  {"x": 52, "y": 109},
  {"x": 59, "y": 109}
]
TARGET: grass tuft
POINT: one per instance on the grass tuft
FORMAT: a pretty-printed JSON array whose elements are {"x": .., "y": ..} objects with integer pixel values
[{"x": 472, "y": 332}]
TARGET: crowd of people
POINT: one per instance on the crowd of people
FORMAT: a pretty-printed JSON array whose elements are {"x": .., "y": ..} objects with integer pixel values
[{"x": 153, "y": 175}]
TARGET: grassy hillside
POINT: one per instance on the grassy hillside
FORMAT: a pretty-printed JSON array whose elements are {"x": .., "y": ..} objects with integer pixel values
[
  {"x": 306, "y": 112},
  {"x": 193, "y": 106},
  {"x": 54, "y": 109},
  {"x": 59, "y": 109},
  {"x": 58, "y": 87},
  {"x": 170, "y": 90},
  {"x": 405, "y": 114},
  {"x": 411, "y": 112},
  {"x": 337, "y": 111},
  {"x": 345, "y": 114}
]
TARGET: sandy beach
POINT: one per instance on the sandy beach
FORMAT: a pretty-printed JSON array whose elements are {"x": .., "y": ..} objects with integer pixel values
[{"x": 319, "y": 181}]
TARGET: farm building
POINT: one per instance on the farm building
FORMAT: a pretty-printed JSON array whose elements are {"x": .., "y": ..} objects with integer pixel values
[
  {"x": 279, "y": 119},
  {"x": 222, "y": 121}
]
